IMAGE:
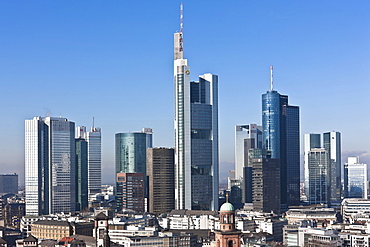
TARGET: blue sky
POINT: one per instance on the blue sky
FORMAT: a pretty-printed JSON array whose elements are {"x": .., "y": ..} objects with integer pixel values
[{"x": 113, "y": 60}]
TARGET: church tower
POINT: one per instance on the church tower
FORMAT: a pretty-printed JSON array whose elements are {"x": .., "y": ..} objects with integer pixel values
[
  {"x": 101, "y": 230},
  {"x": 228, "y": 235}
]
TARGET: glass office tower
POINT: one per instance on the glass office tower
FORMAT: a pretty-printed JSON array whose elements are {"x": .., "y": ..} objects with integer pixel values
[
  {"x": 81, "y": 175},
  {"x": 319, "y": 179},
  {"x": 130, "y": 158},
  {"x": 332, "y": 144},
  {"x": 93, "y": 139},
  {"x": 50, "y": 166},
  {"x": 355, "y": 179},
  {"x": 246, "y": 137},
  {"x": 280, "y": 135},
  {"x": 310, "y": 141},
  {"x": 196, "y": 136}
]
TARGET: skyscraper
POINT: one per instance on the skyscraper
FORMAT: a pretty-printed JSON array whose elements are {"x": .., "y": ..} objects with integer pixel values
[
  {"x": 93, "y": 139},
  {"x": 280, "y": 135},
  {"x": 160, "y": 169},
  {"x": 246, "y": 137},
  {"x": 310, "y": 141},
  {"x": 242, "y": 133},
  {"x": 82, "y": 181},
  {"x": 332, "y": 144},
  {"x": 355, "y": 179},
  {"x": 196, "y": 135},
  {"x": 319, "y": 177},
  {"x": 50, "y": 170},
  {"x": 130, "y": 157},
  {"x": 265, "y": 181}
]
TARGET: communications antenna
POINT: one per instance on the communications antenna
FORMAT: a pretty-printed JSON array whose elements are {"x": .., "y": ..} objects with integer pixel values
[
  {"x": 181, "y": 17},
  {"x": 271, "y": 78}
]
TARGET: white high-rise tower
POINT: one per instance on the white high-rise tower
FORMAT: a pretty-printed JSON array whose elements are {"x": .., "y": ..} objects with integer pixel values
[
  {"x": 196, "y": 134},
  {"x": 50, "y": 171}
]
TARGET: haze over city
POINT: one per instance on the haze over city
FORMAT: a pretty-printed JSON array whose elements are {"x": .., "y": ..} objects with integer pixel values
[{"x": 114, "y": 61}]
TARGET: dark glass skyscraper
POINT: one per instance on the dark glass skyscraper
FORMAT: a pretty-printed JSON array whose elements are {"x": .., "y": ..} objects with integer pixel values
[
  {"x": 332, "y": 144},
  {"x": 81, "y": 174},
  {"x": 280, "y": 135}
]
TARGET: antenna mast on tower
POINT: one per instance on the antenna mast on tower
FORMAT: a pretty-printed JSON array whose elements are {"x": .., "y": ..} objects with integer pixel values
[
  {"x": 271, "y": 78},
  {"x": 181, "y": 17}
]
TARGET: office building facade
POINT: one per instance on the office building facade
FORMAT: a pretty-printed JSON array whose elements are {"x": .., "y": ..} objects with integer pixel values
[
  {"x": 280, "y": 135},
  {"x": 332, "y": 144},
  {"x": 50, "y": 169},
  {"x": 319, "y": 177},
  {"x": 196, "y": 135},
  {"x": 82, "y": 183},
  {"x": 130, "y": 156},
  {"x": 160, "y": 169},
  {"x": 265, "y": 181},
  {"x": 310, "y": 141},
  {"x": 93, "y": 139},
  {"x": 246, "y": 137},
  {"x": 131, "y": 191},
  {"x": 355, "y": 179}
]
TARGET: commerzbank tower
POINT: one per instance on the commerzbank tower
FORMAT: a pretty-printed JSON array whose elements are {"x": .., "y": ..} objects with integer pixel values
[{"x": 196, "y": 134}]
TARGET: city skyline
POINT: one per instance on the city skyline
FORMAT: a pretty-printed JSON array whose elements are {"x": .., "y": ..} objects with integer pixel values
[{"x": 54, "y": 53}]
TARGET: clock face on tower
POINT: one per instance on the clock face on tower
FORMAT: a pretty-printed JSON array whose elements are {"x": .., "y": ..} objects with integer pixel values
[{"x": 187, "y": 72}]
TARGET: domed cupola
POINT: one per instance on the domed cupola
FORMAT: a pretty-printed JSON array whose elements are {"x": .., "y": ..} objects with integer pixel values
[{"x": 227, "y": 216}]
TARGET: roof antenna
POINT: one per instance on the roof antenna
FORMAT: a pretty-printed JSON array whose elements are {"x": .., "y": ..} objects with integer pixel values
[
  {"x": 181, "y": 18},
  {"x": 271, "y": 78}
]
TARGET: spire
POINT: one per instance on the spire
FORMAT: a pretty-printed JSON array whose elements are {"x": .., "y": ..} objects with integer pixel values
[{"x": 271, "y": 78}]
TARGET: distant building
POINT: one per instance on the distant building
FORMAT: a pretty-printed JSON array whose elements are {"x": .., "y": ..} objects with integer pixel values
[
  {"x": 246, "y": 137},
  {"x": 82, "y": 183},
  {"x": 332, "y": 144},
  {"x": 160, "y": 169},
  {"x": 265, "y": 181},
  {"x": 9, "y": 183},
  {"x": 319, "y": 176},
  {"x": 130, "y": 158},
  {"x": 355, "y": 179},
  {"x": 310, "y": 141},
  {"x": 131, "y": 191},
  {"x": 50, "y": 166},
  {"x": 93, "y": 139}
]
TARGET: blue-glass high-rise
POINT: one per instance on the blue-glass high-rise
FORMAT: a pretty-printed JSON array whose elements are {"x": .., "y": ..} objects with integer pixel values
[{"x": 280, "y": 135}]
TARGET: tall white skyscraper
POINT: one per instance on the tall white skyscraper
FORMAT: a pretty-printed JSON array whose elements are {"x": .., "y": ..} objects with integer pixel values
[
  {"x": 196, "y": 135},
  {"x": 355, "y": 179},
  {"x": 50, "y": 170},
  {"x": 93, "y": 139}
]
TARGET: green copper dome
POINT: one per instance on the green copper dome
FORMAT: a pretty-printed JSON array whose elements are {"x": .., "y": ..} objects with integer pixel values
[{"x": 227, "y": 206}]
